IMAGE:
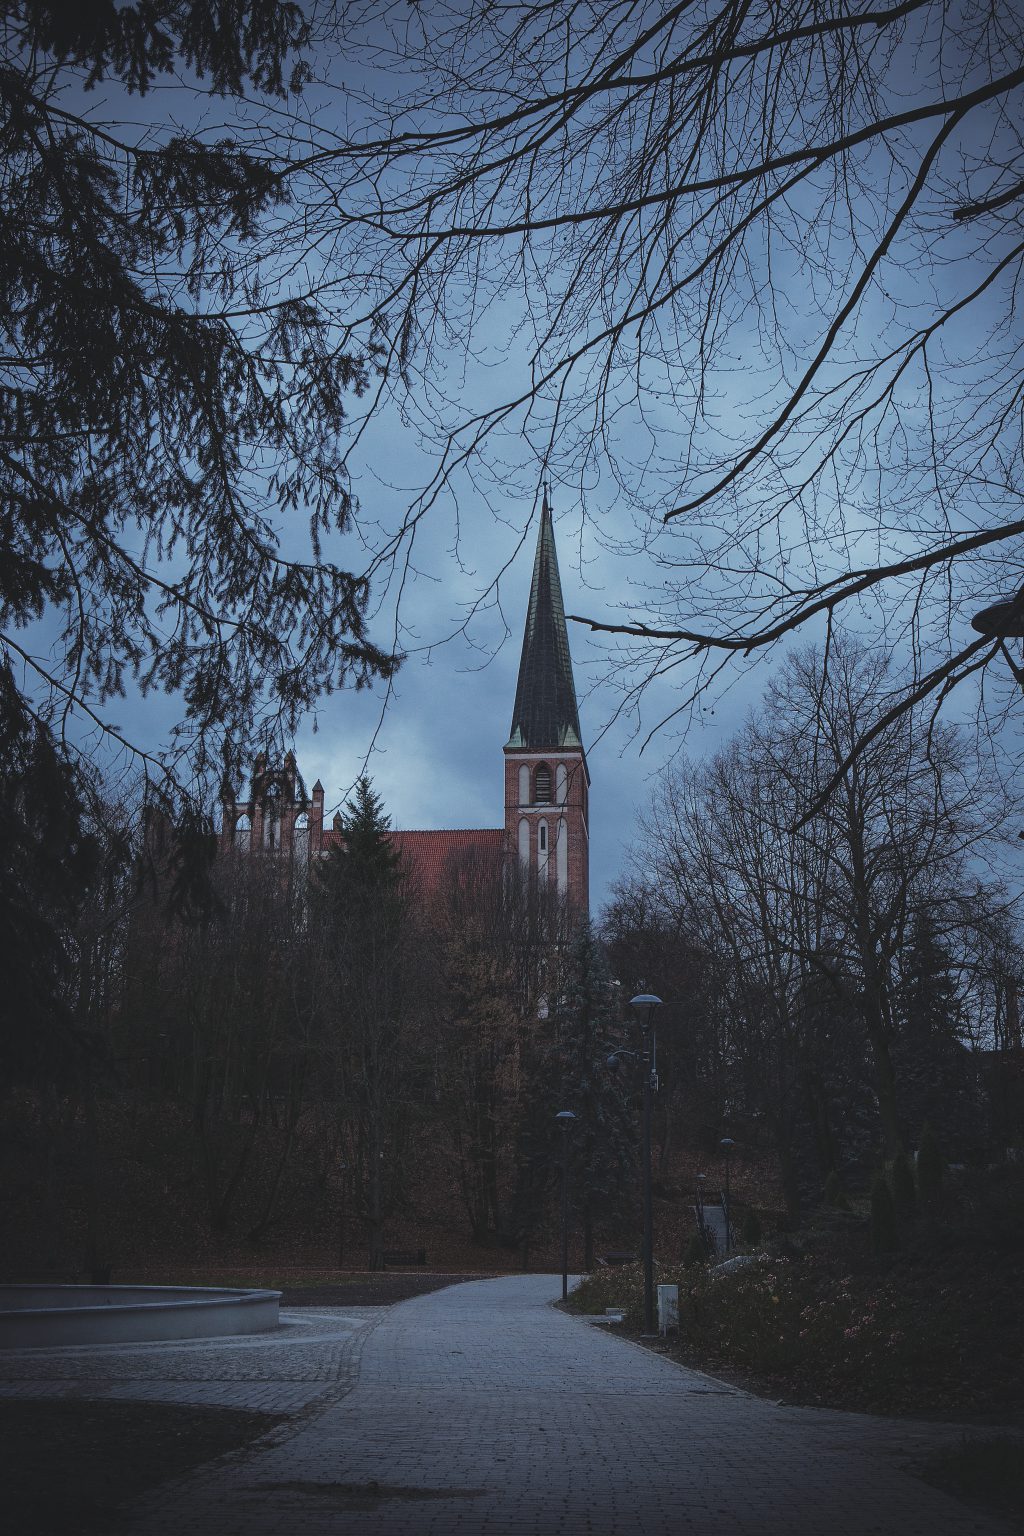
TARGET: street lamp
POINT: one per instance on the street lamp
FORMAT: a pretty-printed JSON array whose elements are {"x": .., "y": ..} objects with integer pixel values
[
  {"x": 1003, "y": 620},
  {"x": 645, "y": 1004},
  {"x": 343, "y": 1170},
  {"x": 727, "y": 1145},
  {"x": 565, "y": 1118}
]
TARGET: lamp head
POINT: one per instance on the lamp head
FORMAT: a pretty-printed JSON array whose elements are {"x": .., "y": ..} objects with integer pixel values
[
  {"x": 645, "y": 1000},
  {"x": 565, "y": 1118},
  {"x": 726, "y": 1143}
]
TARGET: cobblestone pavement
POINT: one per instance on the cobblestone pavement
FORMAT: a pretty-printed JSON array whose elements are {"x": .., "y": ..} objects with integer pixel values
[
  {"x": 312, "y": 1358},
  {"x": 480, "y": 1410}
]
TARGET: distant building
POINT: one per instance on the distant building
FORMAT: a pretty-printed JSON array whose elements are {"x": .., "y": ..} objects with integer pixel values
[{"x": 547, "y": 783}]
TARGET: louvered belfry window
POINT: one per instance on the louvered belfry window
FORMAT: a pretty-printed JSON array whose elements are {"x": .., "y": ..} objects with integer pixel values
[{"x": 542, "y": 785}]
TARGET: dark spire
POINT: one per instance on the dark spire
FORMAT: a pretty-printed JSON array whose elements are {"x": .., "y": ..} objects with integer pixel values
[{"x": 545, "y": 713}]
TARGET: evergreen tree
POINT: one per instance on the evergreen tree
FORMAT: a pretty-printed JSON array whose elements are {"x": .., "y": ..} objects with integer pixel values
[
  {"x": 935, "y": 1078},
  {"x": 375, "y": 994},
  {"x": 49, "y": 861},
  {"x": 163, "y": 400}
]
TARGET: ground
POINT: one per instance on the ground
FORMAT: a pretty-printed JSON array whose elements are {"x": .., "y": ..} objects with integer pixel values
[
  {"x": 108, "y": 1453},
  {"x": 478, "y": 1409},
  {"x": 113, "y": 1451}
]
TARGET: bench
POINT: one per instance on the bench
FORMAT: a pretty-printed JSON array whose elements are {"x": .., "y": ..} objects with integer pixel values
[{"x": 404, "y": 1258}]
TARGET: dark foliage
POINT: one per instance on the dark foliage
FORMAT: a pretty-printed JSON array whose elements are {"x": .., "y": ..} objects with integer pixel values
[
  {"x": 164, "y": 404},
  {"x": 750, "y": 1229},
  {"x": 931, "y": 1168},
  {"x": 373, "y": 1001},
  {"x": 904, "y": 1195},
  {"x": 835, "y": 1195},
  {"x": 49, "y": 863},
  {"x": 884, "y": 1232},
  {"x": 584, "y": 1030}
]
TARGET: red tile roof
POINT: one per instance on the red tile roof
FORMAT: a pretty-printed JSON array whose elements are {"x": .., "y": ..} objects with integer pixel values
[{"x": 429, "y": 854}]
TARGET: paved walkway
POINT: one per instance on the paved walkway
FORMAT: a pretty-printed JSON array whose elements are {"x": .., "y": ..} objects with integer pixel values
[{"x": 480, "y": 1410}]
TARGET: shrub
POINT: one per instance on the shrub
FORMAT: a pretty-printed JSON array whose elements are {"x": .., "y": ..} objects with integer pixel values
[
  {"x": 903, "y": 1193},
  {"x": 884, "y": 1236},
  {"x": 622, "y": 1287}
]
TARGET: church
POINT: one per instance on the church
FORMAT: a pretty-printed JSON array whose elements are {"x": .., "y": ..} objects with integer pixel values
[{"x": 547, "y": 783}]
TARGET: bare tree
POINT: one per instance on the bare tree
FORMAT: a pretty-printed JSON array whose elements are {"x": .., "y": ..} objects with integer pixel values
[
  {"x": 825, "y": 925},
  {"x": 906, "y": 814},
  {"x": 754, "y": 892},
  {"x": 752, "y": 270}
]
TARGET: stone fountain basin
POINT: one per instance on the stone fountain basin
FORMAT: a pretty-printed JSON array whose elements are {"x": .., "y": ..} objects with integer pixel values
[{"x": 38, "y": 1316}]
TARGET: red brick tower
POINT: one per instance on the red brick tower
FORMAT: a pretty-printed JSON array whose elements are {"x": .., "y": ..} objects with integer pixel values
[{"x": 547, "y": 784}]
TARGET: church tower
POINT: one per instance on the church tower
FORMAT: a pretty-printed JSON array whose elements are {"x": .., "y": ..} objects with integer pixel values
[{"x": 547, "y": 784}]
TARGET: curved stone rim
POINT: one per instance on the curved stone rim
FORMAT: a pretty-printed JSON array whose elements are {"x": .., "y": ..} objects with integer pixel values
[{"x": 96, "y": 1314}]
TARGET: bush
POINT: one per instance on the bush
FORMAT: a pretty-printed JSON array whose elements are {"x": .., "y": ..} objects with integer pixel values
[
  {"x": 903, "y": 1193},
  {"x": 884, "y": 1235},
  {"x": 750, "y": 1317},
  {"x": 622, "y": 1287}
]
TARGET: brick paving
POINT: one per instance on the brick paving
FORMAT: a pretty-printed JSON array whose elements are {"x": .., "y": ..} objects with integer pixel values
[
  {"x": 312, "y": 1357},
  {"x": 480, "y": 1410}
]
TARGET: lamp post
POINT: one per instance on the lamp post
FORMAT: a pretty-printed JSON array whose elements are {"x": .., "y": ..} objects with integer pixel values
[
  {"x": 343, "y": 1170},
  {"x": 727, "y": 1145},
  {"x": 645, "y": 1004},
  {"x": 565, "y": 1118}
]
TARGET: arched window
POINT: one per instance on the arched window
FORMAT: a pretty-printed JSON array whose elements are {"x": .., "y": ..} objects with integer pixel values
[
  {"x": 542, "y": 785},
  {"x": 243, "y": 834},
  {"x": 542, "y": 849},
  {"x": 524, "y": 785},
  {"x": 524, "y": 842},
  {"x": 562, "y": 857},
  {"x": 561, "y": 782}
]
